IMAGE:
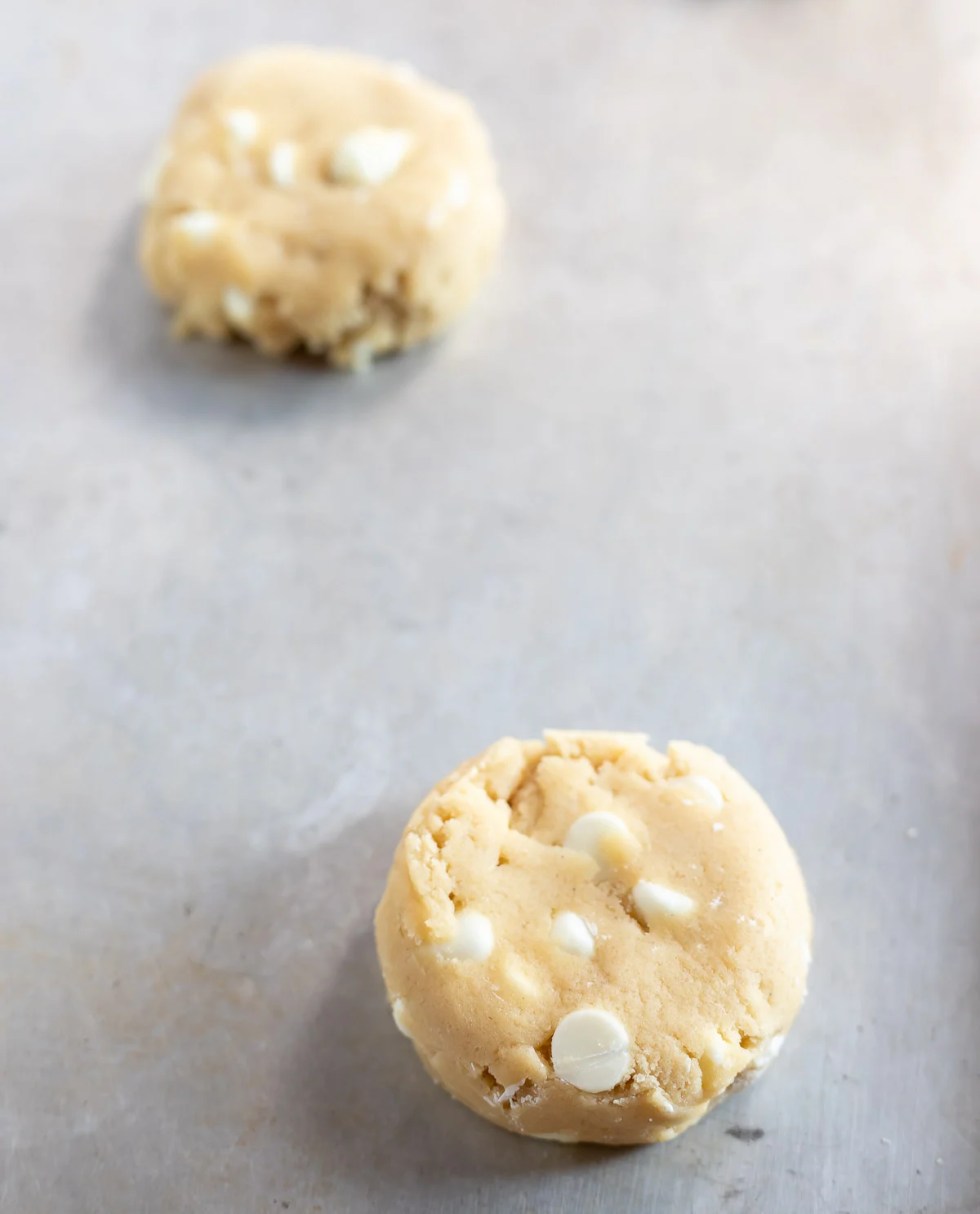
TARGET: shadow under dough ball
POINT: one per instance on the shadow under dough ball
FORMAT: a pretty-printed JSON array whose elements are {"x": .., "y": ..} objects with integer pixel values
[
  {"x": 589, "y": 941},
  {"x": 323, "y": 201}
]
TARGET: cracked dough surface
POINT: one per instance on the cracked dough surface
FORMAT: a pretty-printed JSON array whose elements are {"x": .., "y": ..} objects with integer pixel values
[
  {"x": 682, "y": 883},
  {"x": 327, "y": 201}
]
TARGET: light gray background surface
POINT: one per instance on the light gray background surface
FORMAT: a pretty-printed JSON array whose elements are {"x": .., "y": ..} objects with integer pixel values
[{"x": 704, "y": 460}]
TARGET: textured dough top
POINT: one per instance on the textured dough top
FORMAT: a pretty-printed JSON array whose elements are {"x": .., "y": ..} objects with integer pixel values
[
  {"x": 321, "y": 188},
  {"x": 591, "y": 873}
]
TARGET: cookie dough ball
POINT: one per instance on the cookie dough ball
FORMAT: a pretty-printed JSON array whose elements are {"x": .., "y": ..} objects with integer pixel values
[
  {"x": 324, "y": 201},
  {"x": 590, "y": 941}
]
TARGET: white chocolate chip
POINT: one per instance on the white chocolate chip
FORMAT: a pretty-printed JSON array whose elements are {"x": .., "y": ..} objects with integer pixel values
[
  {"x": 404, "y": 71},
  {"x": 591, "y": 1050},
  {"x": 574, "y": 934},
  {"x": 457, "y": 196},
  {"x": 282, "y": 164},
  {"x": 199, "y": 226},
  {"x": 717, "y": 1052},
  {"x": 398, "y": 1015},
  {"x": 370, "y": 155},
  {"x": 658, "y": 901},
  {"x": 717, "y": 827},
  {"x": 593, "y": 832},
  {"x": 719, "y": 1062},
  {"x": 473, "y": 938},
  {"x": 698, "y": 790},
  {"x": 242, "y": 125},
  {"x": 715, "y": 902},
  {"x": 766, "y": 1052},
  {"x": 460, "y": 190},
  {"x": 436, "y": 217},
  {"x": 153, "y": 172},
  {"x": 237, "y": 306}
]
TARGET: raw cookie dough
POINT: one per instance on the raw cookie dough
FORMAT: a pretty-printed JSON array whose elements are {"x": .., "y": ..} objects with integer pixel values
[
  {"x": 306, "y": 199},
  {"x": 589, "y": 941}
]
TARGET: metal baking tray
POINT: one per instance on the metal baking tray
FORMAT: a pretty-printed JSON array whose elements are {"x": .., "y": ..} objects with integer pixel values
[{"x": 703, "y": 461}]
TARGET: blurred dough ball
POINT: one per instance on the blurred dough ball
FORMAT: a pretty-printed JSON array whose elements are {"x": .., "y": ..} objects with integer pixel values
[{"x": 318, "y": 200}]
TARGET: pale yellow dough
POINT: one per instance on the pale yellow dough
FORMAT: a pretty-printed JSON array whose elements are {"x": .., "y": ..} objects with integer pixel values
[
  {"x": 326, "y": 201},
  {"x": 691, "y": 897}
]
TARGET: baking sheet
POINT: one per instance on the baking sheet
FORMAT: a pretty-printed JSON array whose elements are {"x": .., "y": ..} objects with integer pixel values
[{"x": 703, "y": 461}]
